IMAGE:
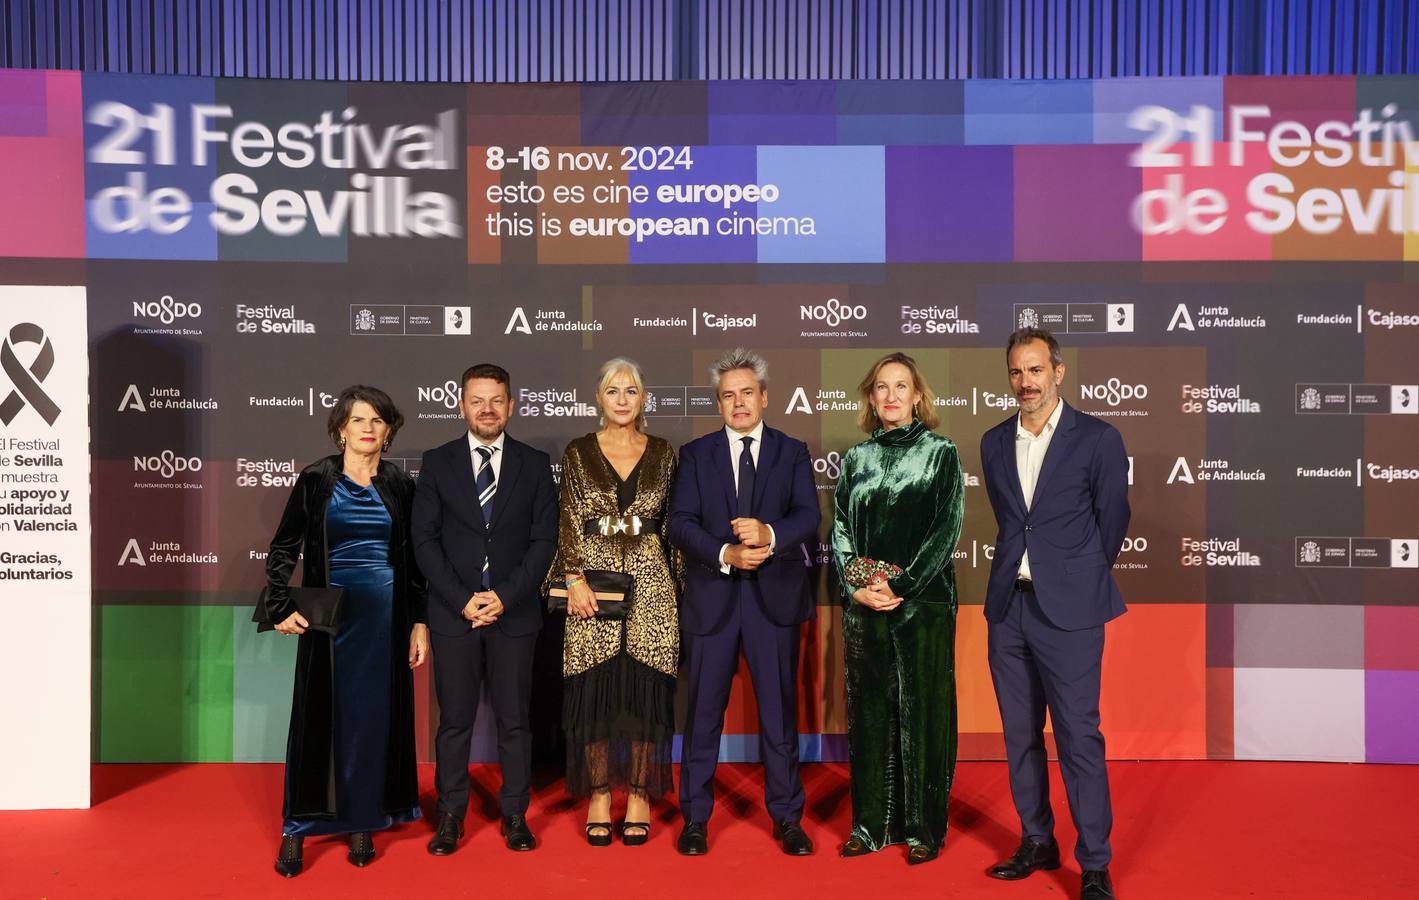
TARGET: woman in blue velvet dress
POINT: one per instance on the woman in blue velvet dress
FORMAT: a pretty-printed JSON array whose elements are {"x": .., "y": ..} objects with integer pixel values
[{"x": 350, "y": 758}]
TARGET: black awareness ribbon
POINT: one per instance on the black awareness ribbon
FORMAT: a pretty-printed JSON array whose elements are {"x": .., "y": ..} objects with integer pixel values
[{"x": 27, "y": 379}]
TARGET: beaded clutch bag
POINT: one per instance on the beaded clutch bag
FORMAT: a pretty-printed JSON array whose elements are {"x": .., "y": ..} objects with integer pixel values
[{"x": 862, "y": 572}]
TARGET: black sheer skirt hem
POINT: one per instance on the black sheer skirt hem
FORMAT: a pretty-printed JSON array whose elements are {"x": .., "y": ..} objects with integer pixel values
[{"x": 619, "y": 719}]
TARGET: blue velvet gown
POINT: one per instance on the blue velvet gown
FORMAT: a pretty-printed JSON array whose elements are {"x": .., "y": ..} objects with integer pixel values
[{"x": 358, "y": 527}]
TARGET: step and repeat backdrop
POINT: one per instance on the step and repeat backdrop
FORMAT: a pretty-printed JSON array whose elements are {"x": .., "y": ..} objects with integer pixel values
[{"x": 1230, "y": 265}]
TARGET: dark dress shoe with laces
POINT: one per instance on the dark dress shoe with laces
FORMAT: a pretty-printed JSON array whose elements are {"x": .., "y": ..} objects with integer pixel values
[
  {"x": 289, "y": 861},
  {"x": 794, "y": 839},
  {"x": 517, "y": 834},
  {"x": 1030, "y": 857},
  {"x": 1096, "y": 885},
  {"x": 693, "y": 840},
  {"x": 447, "y": 835},
  {"x": 361, "y": 849},
  {"x": 855, "y": 846}
]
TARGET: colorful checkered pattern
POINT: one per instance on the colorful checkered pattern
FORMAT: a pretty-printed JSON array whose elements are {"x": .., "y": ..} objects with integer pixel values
[{"x": 908, "y": 184}]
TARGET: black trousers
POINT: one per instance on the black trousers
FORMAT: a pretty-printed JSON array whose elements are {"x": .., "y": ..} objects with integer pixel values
[{"x": 461, "y": 665}]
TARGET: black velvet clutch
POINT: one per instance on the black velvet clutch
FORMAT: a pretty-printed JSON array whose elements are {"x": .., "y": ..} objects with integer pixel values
[
  {"x": 319, "y": 605},
  {"x": 614, "y": 592}
]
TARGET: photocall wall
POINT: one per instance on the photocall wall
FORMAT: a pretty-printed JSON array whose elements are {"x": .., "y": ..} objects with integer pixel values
[{"x": 1230, "y": 264}]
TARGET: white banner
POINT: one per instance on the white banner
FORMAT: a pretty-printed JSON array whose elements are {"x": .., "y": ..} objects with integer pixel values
[{"x": 45, "y": 567}]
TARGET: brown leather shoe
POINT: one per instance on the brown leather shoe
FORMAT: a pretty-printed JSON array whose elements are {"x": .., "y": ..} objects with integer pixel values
[{"x": 1029, "y": 857}]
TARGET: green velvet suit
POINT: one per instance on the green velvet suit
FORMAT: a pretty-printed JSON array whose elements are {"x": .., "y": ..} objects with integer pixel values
[{"x": 900, "y": 499}]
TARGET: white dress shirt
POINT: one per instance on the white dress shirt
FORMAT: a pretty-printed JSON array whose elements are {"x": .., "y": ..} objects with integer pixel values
[
  {"x": 474, "y": 442},
  {"x": 1030, "y": 453},
  {"x": 736, "y": 450}
]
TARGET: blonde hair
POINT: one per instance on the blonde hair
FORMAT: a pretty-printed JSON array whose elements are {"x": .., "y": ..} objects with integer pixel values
[
  {"x": 609, "y": 370},
  {"x": 925, "y": 410}
]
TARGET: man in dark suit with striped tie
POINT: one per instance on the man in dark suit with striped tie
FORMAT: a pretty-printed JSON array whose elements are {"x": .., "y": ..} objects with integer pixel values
[
  {"x": 742, "y": 507},
  {"x": 484, "y": 531}
]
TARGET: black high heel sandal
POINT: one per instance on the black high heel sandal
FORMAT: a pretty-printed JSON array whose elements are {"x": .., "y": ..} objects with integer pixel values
[
  {"x": 604, "y": 839},
  {"x": 598, "y": 840},
  {"x": 643, "y": 835}
]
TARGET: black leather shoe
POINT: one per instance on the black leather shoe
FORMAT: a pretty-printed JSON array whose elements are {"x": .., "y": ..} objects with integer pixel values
[
  {"x": 518, "y": 835},
  {"x": 447, "y": 836},
  {"x": 1030, "y": 857},
  {"x": 794, "y": 839},
  {"x": 693, "y": 840},
  {"x": 1096, "y": 885},
  {"x": 361, "y": 849},
  {"x": 289, "y": 860},
  {"x": 918, "y": 855}
]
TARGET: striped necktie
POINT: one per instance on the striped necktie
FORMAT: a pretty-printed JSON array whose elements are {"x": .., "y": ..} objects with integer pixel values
[{"x": 487, "y": 486}]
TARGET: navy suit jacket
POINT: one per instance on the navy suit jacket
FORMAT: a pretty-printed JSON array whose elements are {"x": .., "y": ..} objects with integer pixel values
[
  {"x": 451, "y": 539},
  {"x": 1075, "y": 525},
  {"x": 702, "y": 503}
]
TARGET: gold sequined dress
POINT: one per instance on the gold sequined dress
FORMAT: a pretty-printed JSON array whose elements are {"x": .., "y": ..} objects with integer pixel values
[{"x": 618, "y": 706}]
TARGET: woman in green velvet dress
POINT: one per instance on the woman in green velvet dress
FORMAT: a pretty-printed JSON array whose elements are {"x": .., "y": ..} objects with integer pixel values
[{"x": 897, "y": 515}]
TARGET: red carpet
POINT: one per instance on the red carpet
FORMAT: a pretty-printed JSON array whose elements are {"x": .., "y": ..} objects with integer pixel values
[{"x": 1182, "y": 829}]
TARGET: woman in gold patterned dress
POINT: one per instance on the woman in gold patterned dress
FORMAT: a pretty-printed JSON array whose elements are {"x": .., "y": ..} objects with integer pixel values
[{"x": 618, "y": 708}]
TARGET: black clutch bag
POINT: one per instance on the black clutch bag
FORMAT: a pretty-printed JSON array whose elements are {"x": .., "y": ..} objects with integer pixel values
[
  {"x": 319, "y": 605},
  {"x": 614, "y": 593}
]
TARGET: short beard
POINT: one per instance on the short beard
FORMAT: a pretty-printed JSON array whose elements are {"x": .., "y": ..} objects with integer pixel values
[
  {"x": 487, "y": 432},
  {"x": 1038, "y": 403}
]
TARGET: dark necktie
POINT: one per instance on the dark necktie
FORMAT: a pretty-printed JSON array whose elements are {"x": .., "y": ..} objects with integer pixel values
[
  {"x": 487, "y": 487},
  {"x": 746, "y": 478}
]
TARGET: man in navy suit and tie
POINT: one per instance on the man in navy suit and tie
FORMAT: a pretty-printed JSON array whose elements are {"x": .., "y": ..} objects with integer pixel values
[
  {"x": 743, "y": 504},
  {"x": 1058, "y": 483},
  {"x": 485, "y": 530}
]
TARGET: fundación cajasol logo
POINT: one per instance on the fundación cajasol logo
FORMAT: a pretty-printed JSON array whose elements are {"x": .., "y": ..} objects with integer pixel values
[{"x": 26, "y": 380}]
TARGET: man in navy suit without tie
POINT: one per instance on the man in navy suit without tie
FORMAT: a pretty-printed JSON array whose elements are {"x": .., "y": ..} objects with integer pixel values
[
  {"x": 1058, "y": 483},
  {"x": 743, "y": 503}
]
